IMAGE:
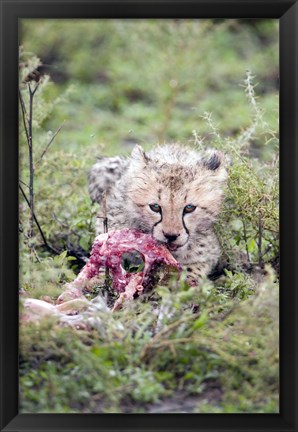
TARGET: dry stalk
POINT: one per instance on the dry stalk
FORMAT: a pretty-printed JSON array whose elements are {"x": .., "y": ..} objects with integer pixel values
[
  {"x": 204, "y": 342},
  {"x": 159, "y": 339},
  {"x": 31, "y": 162},
  {"x": 245, "y": 239},
  {"x": 105, "y": 230},
  {"x": 28, "y": 127},
  {"x": 49, "y": 143},
  {"x": 50, "y": 248},
  {"x": 260, "y": 255},
  {"x": 27, "y": 121}
]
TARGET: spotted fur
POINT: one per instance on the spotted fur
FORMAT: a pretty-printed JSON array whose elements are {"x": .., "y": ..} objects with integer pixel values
[{"x": 173, "y": 177}]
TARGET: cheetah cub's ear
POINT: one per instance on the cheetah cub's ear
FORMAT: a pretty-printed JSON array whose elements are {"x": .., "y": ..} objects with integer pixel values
[
  {"x": 138, "y": 157},
  {"x": 216, "y": 161}
]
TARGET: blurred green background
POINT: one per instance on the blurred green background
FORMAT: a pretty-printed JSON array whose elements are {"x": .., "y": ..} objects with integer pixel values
[{"x": 146, "y": 81}]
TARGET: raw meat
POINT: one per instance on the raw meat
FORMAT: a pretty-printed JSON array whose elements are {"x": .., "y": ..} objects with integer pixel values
[{"x": 132, "y": 258}]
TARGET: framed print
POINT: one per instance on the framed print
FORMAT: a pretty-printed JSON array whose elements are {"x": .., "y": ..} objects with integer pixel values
[{"x": 149, "y": 218}]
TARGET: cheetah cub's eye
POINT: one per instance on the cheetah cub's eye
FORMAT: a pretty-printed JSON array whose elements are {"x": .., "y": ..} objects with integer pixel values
[
  {"x": 155, "y": 207},
  {"x": 189, "y": 208}
]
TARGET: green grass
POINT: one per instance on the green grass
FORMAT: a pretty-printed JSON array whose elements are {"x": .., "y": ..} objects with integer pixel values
[{"x": 128, "y": 361}]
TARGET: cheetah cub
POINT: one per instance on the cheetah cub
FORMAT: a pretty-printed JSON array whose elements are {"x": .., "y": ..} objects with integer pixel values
[{"x": 172, "y": 192}]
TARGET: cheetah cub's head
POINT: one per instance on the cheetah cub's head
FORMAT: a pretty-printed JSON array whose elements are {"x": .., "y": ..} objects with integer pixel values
[{"x": 175, "y": 193}]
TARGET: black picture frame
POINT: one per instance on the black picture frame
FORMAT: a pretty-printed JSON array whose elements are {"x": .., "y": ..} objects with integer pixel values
[{"x": 11, "y": 11}]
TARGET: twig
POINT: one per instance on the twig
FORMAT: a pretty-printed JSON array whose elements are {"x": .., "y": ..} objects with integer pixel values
[
  {"x": 24, "y": 114},
  {"x": 27, "y": 121},
  {"x": 200, "y": 341},
  {"x": 31, "y": 246},
  {"x": 64, "y": 225},
  {"x": 104, "y": 208},
  {"x": 31, "y": 165},
  {"x": 245, "y": 240},
  {"x": 260, "y": 260},
  {"x": 105, "y": 229},
  {"x": 25, "y": 184},
  {"x": 269, "y": 247},
  {"x": 72, "y": 249},
  {"x": 50, "y": 248},
  {"x": 35, "y": 88},
  {"x": 49, "y": 143}
]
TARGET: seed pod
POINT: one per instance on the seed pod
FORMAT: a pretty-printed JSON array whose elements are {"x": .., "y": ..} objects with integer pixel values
[{"x": 33, "y": 76}]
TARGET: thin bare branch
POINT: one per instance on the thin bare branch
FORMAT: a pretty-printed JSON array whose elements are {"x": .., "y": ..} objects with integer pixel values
[
  {"x": 30, "y": 245},
  {"x": 49, "y": 143},
  {"x": 105, "y": 229},
  {"x": 104, "y": 208},
  {"x": 268, "y": 249},
  {"x": 32, "y": 92},
  {"x": 245, "y": 239},
  {"x": 31, "y": 163},
  {"x": 24, "y": 115},
  {"x": 36, "y": 87},
  {"x": 260, "y": 256},
  {"x": 50, "y": 248},
  {"x": 65, "y": 225},
  {"x": 31, "y": 166},
  {"x": 25, "y": 184}
]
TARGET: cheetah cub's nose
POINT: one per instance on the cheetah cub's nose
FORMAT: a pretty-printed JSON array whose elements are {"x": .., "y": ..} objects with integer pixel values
[{"x": 171, "y": 237}]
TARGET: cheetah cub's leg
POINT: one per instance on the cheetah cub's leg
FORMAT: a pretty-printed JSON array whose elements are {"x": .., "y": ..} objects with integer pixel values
[{"x": 196, "y": 272}]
